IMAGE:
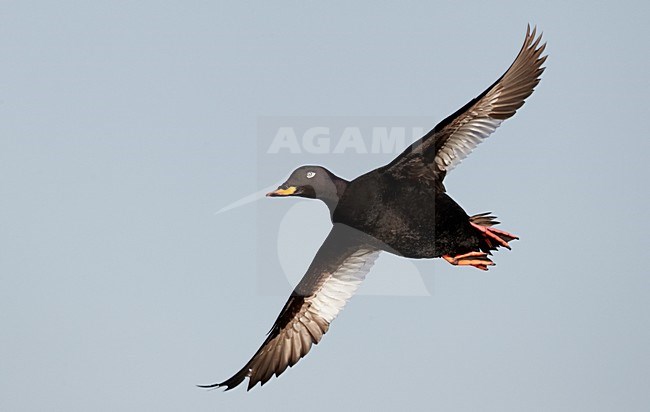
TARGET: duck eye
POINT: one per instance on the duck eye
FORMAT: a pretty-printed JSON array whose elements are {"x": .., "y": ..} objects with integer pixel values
[{"x": 310, "y": 175}]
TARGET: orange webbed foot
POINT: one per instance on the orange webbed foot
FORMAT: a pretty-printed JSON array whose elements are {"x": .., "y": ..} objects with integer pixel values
[
  {"x": 501, "y": 237},
  {"x": 479, "y": 260}
]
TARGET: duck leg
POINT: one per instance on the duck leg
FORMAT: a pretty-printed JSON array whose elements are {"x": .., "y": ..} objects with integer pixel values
[{"x": 477, "y": 259}]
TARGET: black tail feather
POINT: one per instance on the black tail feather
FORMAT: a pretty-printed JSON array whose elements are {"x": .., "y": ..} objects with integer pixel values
[{"x": 484, "y": 219}]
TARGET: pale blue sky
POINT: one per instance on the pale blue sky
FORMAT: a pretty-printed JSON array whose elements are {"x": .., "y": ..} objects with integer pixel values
[{"x": 124, "y": 127}]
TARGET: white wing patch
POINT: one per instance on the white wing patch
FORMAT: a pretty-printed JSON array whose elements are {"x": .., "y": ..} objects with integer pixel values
[
  {"x": 310, "y": 323},
  {"x": 342, "y": 284},
  {"x": 461, "y": 143},
  {"x": 467, "y": 129}
]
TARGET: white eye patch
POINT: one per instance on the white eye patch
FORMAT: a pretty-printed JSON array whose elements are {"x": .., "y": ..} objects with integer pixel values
[{"x": 310, "y": 175}]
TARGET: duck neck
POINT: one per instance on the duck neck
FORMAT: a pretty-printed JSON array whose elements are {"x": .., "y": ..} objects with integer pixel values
[{"x": 331, "y": 199}]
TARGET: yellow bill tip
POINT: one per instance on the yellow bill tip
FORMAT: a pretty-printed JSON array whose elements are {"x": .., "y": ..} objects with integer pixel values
[{"x": 283, "y": 192}]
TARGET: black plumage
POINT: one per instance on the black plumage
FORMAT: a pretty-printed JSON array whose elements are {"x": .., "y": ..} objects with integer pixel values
[{"x": 401, "y": 208}]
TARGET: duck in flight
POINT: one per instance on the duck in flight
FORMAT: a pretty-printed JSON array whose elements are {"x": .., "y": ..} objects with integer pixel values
[{"x": 401, "y": 208}]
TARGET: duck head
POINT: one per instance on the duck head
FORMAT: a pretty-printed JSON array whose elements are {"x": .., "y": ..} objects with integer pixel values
[{"x": 313, "y": 182}]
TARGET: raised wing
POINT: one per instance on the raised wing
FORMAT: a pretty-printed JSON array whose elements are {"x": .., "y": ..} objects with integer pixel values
[
  {"x": 440, "y": 150},
  {"x": 336, "y": 272}
]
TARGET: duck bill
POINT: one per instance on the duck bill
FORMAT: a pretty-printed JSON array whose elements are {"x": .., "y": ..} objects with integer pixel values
[{"x": 291, "y": 190}]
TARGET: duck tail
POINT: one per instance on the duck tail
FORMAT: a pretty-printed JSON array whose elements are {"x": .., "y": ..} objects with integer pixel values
[{"x": 490, "y": 238}]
